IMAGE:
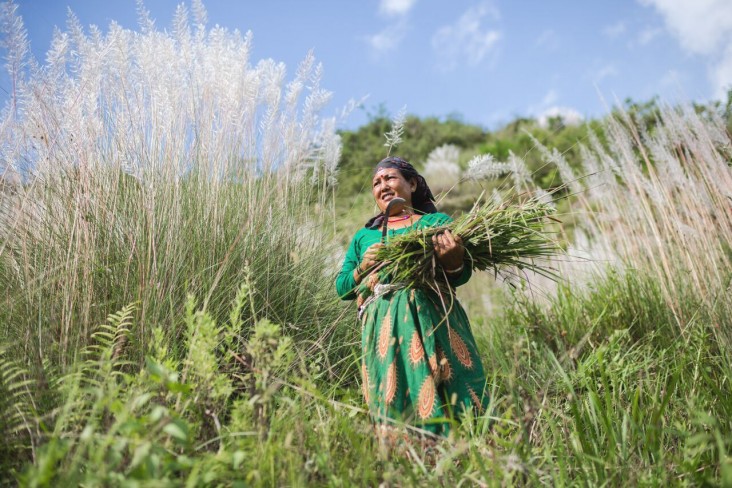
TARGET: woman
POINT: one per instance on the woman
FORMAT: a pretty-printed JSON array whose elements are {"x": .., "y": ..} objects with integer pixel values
[{"x": 420, "y": 364}]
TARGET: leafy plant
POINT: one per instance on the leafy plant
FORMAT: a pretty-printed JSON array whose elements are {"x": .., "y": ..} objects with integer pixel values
[
  {"x": 495, "y": 236},
  {"x": 19, "y": 425}
]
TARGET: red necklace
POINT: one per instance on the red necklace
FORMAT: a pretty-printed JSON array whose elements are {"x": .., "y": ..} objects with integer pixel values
[{"x": 399, "y": 219}]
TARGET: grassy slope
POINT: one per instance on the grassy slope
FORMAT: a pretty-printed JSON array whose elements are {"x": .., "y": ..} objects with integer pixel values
[
  {"x": 602, "y": 383},
  {"x": 226, "y": 357},
  {"x": 582, "y": 393}
]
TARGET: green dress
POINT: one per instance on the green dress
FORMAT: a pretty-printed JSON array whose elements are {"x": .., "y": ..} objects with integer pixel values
[{"x": 420, "y": 364}]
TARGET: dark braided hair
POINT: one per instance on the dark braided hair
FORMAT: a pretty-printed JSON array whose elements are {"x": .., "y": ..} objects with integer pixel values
[{"x": 422, "y": 198}]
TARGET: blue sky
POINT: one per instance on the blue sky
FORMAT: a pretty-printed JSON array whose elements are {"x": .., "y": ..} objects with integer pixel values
[{"x": 486, "y": 61}]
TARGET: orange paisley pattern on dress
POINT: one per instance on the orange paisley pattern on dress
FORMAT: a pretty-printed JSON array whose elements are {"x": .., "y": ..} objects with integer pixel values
[
  {"x": 385, "y": 335},
  {"x": 416, "y": 351},
  {"x": 460, "y": 349},
  {"x": 426, "y": 398},
  {"x": 391, "y": 383}
]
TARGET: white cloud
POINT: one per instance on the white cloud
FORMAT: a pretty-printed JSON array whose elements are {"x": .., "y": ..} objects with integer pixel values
[
  {"x": 569, "y": 116},
  {"x": 396, "y": 7},
  {"x": 388, "y": 39},
  {"x": 548, "y": 108},
  {"x": 702, "y": 27},
  {"x": 466, "y": 39},
  {"x": 615, "y": 30},
  {"x": 392, "y": 35}
]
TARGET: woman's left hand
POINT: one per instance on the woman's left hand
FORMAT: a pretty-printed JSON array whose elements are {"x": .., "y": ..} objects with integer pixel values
[{"x": 449, "y": 250}]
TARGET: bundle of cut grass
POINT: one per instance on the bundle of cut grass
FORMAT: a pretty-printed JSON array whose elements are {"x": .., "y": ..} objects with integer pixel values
[{"x": 496, "y": 237}]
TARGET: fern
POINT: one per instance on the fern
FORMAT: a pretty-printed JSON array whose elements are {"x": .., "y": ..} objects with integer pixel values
[
  {"x": 103, "y": 356},
  {"x": 98, "y": 370},
  {"x": 18, "y": 419}
]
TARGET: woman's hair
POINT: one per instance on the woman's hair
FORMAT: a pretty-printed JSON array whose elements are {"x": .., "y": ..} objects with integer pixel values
[{"x": 422, "y": 198}]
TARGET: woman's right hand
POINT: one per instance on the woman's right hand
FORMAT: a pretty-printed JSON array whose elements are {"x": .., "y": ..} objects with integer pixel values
[{"x": 369, "y": 257}]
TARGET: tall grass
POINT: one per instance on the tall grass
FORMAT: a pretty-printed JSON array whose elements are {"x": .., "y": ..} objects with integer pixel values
[
  {"x": 577, "y": 399},
  {"x": 621, "y": 375},
  {"x": 639, "y": 390},
  {"x": 661, "y": 199},
  {"x": 157, "y": 165}
]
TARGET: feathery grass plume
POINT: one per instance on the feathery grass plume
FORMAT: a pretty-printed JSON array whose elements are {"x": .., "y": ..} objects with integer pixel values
[
  {"x": 155, "y": 163},
  {"x": 660, "y": 200},
  {"x": 566, "y": 173},
  {"x": 394, "y": 136},
  {"x": 495, "y": 236},
  {"x": 520, "y": 174},
  {"x": 442, "y": 168},
  {"x": 485, "y": 166},
  {"x": 14, "y": 40}
]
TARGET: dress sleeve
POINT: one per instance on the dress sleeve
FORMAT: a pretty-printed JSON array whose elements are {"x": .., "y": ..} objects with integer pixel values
[
  {"x": 462, "y": 278},
  {"x": 345, "y": 284}
]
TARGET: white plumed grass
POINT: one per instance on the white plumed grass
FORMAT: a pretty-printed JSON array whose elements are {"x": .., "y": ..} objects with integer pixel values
[
  {"x": 663, "y": 202},
  {"x": 441, "y": 168},
  {"x": 158, "y": 164}
]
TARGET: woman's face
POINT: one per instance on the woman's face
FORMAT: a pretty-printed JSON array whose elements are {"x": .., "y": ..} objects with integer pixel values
[{"x": 389, "y": 183}]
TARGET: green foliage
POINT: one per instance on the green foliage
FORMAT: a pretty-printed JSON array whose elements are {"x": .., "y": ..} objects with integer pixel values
[
  {"x": 163, "y": 422},
  {"x": 364, "y": 147},
  {"x": 266, "y": 355},
  {"x": 201, "y": 365},
  {"x": 599, "y": 387},
  {"x": 495, "y": 237},
  {"x": 613, "y": 391},
  {"x": 18, "y": 427},
  {"x": 154, "y": 249}
]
